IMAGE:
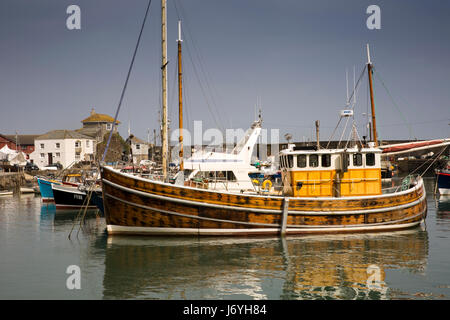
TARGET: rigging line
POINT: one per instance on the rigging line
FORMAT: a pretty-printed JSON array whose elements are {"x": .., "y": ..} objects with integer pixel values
[
  {"x": 186, "y": 107},
  {"x": 126, "y": 81},
  {"x": 357, "y": 84},
  {"x": 393, "y": 102},
  {"x": 209, "y": 83},
  {"x": 329, "y": 140},
  {"x": 209, "y": 103},
  {"x": 343, "y": 132},
  {"x": 357, "y": 134},
  {"x": 348, "y": 139}
]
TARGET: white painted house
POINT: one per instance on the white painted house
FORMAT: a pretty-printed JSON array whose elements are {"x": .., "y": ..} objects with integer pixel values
[
  {"x": 139, "y": 149},
  {"x": 62, "y": 146}
]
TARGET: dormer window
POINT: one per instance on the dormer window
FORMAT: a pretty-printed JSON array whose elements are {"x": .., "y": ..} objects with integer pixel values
[{"x": 108, "y": 126}]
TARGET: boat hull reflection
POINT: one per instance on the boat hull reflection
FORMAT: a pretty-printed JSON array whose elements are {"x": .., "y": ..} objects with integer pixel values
[{"x": 304, "y": 267}]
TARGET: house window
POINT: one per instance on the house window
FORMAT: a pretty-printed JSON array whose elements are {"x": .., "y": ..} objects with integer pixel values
[
  {"x": 77, "y": 144},
  {"x": 87, "y": 143},
  {"x": 42, "y": 146},
  {"x": 77, "y": 156},
  {"x": 58, "y": 145},
  {"x": 138, "y": 146},
  {"x": 42, "y": 155},
  {"x": 108, "y": 126},
  {"x": 58, "y": 154}
]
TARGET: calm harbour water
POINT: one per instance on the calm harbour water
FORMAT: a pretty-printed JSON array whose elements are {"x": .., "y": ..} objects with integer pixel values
[{"x": 35, "y": 252}]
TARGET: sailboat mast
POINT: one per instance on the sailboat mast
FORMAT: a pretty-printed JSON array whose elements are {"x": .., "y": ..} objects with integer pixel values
[
  {"x": 374, "y": 122},
  {"x": 180, "y": 96},
  {"x": 165, "y": 144}
]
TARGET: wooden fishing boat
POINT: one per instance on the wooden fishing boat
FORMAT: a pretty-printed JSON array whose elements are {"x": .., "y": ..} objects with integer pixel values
[
  {"x": 140, "y": 206},
  {"x": 324, "y": 191}
]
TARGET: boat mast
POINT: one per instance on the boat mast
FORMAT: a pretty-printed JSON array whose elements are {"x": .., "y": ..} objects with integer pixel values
[
  {"x": 165, "y": 144},
  {"x": 374, "y": 123},
  {"x": 180, "y": 96}
]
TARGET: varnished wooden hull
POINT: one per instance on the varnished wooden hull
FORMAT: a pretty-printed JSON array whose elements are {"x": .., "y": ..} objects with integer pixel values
[{"x": 139, "y": 206}]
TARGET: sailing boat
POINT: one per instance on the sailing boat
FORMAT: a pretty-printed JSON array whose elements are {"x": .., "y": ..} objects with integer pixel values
[{"x": 325, "y": 191}]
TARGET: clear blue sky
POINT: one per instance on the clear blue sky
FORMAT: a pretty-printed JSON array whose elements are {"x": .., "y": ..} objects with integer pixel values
[{"x": 290, "y": 54}]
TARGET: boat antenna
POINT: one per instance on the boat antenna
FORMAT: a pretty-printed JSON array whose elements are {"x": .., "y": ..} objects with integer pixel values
[
  {"x": 346, "y": 81},
  {"x": 354, "y": 86},
  {"x": 370, "y": 71}
]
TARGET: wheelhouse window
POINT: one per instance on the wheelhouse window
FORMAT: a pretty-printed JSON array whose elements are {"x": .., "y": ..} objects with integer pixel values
[
  {"x": 313, "y": 160},
  {"x": 370, "y": 159},
  {"x": 301, "y": 160},
  {"x": 326, "y": 160},
  {"x": 290, "y": 160},
  {"x": 357, "y": 159}
]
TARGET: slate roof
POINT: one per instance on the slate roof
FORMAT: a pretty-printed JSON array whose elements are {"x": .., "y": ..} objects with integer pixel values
[{"x": 62, "y": 134}]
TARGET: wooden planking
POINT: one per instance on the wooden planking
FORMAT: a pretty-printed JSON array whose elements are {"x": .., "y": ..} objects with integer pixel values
[
  {"x": 272, "y": 203},
  {"x": 135, "y": 212}
]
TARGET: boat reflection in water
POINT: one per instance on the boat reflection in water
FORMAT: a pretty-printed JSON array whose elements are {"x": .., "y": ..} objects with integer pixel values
[
  {"x": 308, "y": 267},
  {"x": 52, "y": 217},
  {"x": 443, "y": 208}
]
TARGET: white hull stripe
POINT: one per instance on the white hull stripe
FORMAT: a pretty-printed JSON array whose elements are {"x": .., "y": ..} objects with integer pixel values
[
  {"x": 212, "y": 205},
  {"x": 264, "y": 224},
  {"x": 113, "y": 229}
]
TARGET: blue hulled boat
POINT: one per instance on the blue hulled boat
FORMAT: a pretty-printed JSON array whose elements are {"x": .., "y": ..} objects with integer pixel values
[{"x": 45, "y": 187}]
